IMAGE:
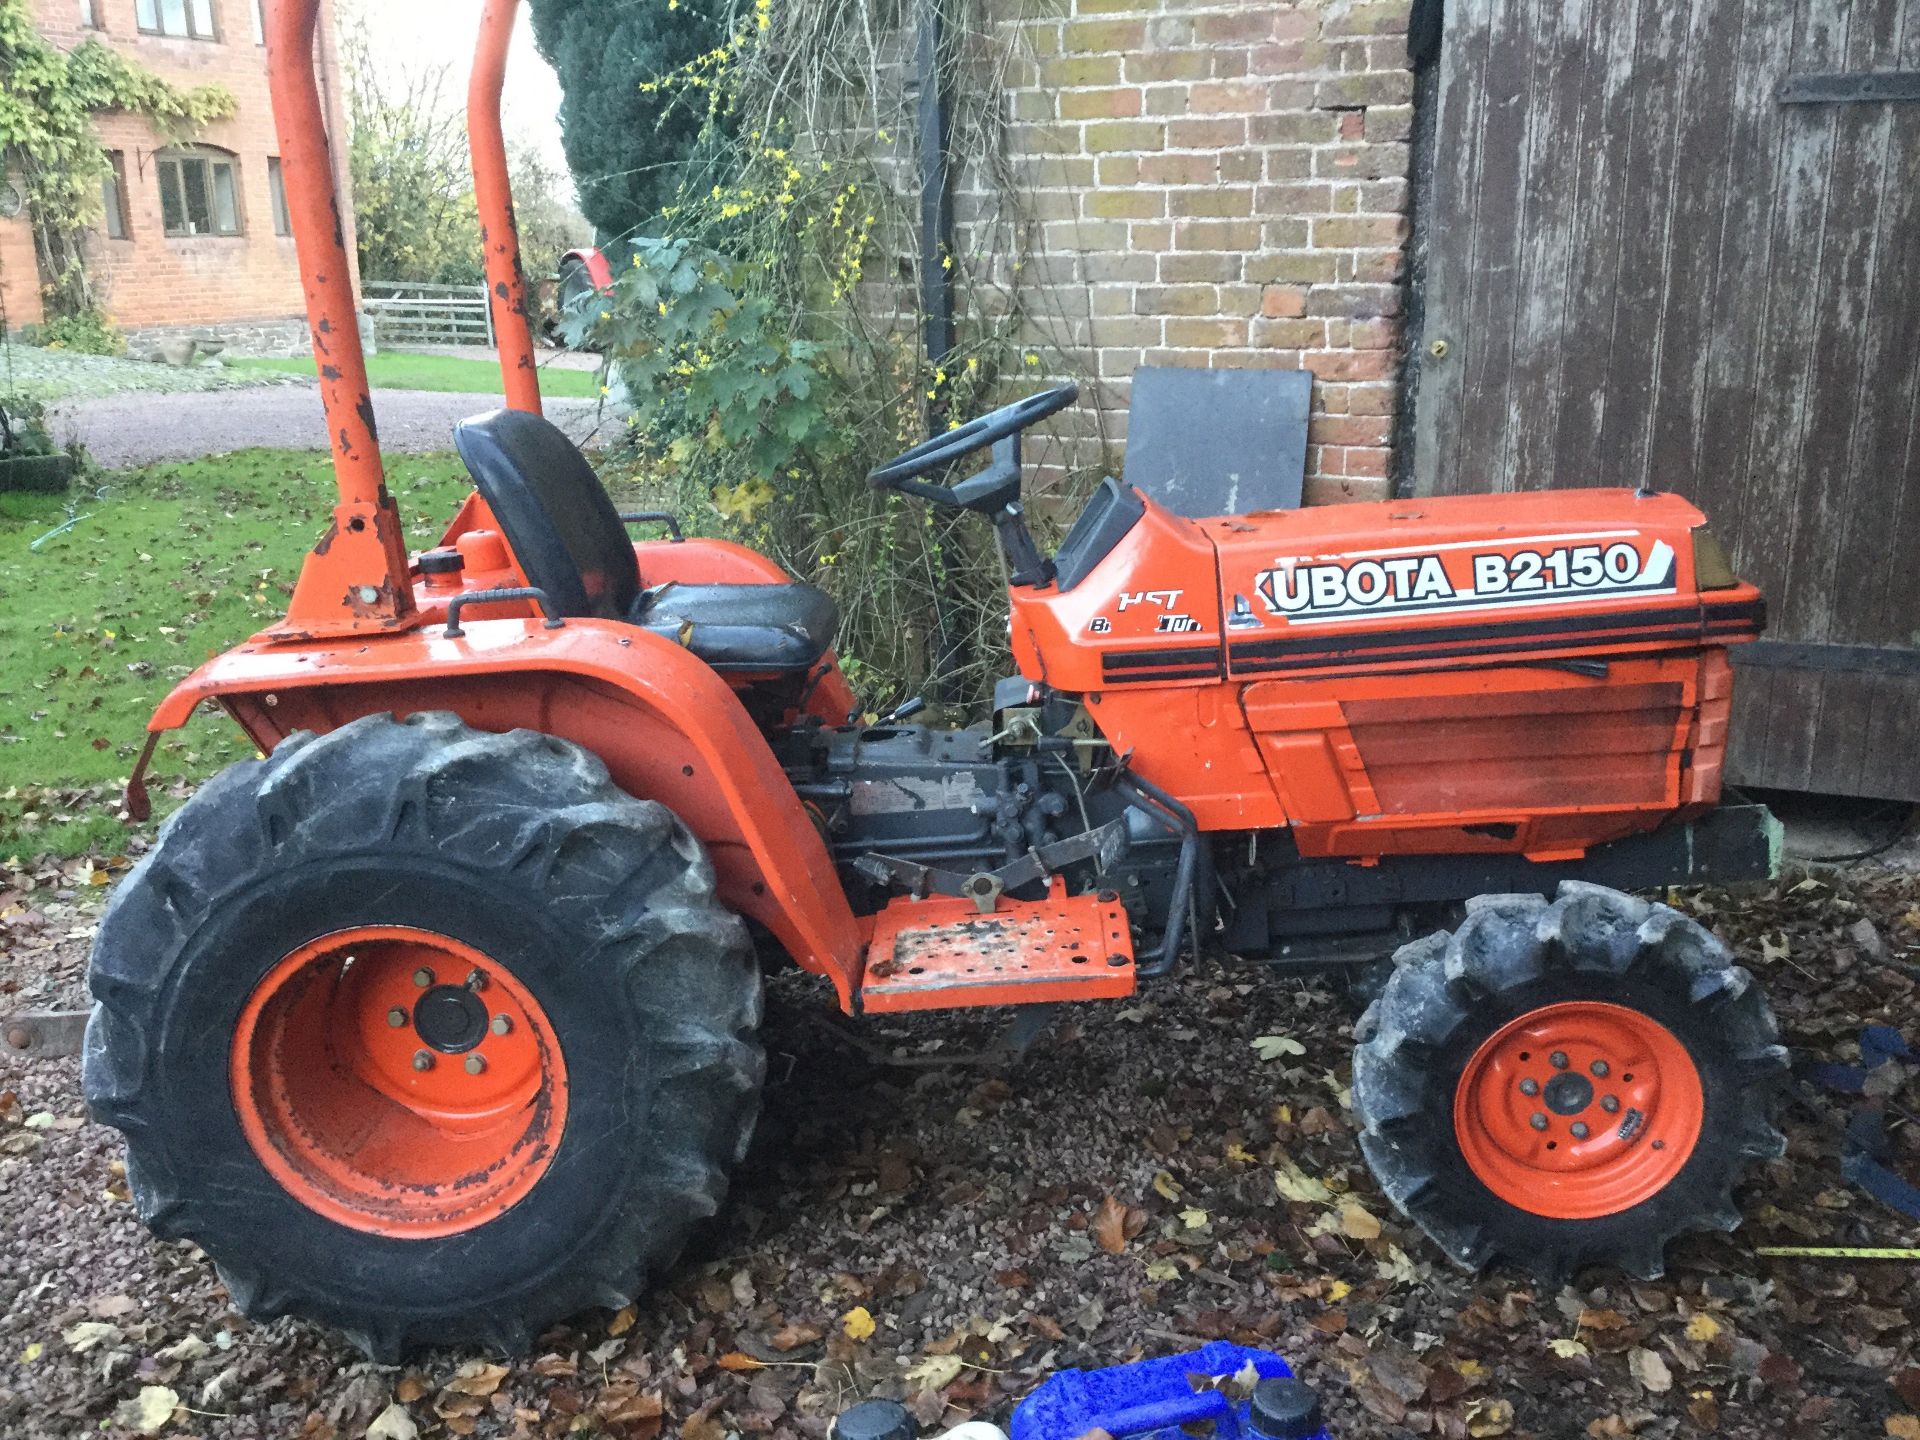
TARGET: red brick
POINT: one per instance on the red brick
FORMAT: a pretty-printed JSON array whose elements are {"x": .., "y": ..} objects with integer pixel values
[
  {"x": 1099, "y": 104},
  {"x": 1283, "y": 302}
]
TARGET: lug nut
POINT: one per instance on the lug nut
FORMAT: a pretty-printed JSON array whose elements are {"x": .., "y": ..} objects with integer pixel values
[
  {"x": 476, "y": 1063},
  {"x": 501, "y": 1024},
  {"x": 1609, "y": 1103},
  {"x": 423, "y": 977},
  {"x": 396, "y": 1017},
  {"x": 1599, "y": 1068},
  {"x": 1529, "y": 1086},
  {"x": 476, "y": 980},
  {"x": 1558, "y": 1059},
  {"x": 1579, "y": 1128},
  {"x": 423, "y": 1059},
  {"x": 1539, "y": 1121}
]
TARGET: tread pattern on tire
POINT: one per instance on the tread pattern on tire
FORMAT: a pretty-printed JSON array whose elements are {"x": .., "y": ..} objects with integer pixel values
[
  {"x": 1512, "y": 953},
  {"x": 622, "y": 873}
]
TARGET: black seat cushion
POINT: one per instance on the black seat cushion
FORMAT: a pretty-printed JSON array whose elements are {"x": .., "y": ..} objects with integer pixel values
[
  {"x": 743, "y": 627},
  {"x": 563, "y": 529}
]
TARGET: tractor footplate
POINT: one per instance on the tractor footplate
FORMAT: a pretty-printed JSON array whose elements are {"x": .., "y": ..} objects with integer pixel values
[{"x": 941, "y": 953}]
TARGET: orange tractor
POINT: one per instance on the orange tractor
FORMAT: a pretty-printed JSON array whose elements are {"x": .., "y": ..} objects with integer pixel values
[{"x": 439, "y": 1021}]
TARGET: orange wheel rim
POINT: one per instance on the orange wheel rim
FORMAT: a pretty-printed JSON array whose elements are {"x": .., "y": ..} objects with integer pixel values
[
  {"x": 398, "y": 1081},
  {"x": 1578, "y": 1110}
]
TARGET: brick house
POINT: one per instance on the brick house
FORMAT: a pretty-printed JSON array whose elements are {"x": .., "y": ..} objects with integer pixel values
[
  {"x": 1223, "y": 183},
  {"x": 194, "y": 238}
]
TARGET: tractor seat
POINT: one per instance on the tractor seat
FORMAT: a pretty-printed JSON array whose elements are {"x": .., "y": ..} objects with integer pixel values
[
  {"x": 570, "y": 543},
  {"x": 743, "y": 627}
]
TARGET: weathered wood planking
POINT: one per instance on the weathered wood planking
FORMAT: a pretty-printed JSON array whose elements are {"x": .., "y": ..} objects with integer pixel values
[{"x": 1646, "y": 270}]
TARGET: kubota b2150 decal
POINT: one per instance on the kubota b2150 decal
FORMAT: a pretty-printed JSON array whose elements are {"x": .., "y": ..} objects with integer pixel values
[{"x": 1548, "y": 570}]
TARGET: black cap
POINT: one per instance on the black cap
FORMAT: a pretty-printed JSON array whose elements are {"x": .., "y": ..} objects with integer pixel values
[
  {"x": 1285, "y": 1409},
  {"x": 875, "y": 1420},
  {"x": 441, "y": 562}
]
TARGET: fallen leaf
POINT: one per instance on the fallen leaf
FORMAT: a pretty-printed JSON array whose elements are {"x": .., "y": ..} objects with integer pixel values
[
  {"x": 1703, "y": 1327},
  {"x": 1568, "y": 1349},
  {"x": 1357, "y": 1222},
  {"x": 622, "y": 1320},
  {"x": 476, "y": 1377},
  {"x": 412, "y": 1387},
  {"x": 1704, "y": 1410},
  {"x": 1165, "y": 1186},
  {"x": 149, "y": 1411},
  {"x": 935, "y": 1372},
  {"x": 1110, "y": 1226},
  {"x": 393, "y": 1423},
  {"x": 1904, "y": 1427},
  {"x": 1489, "y": 1417},
  {"x": 182, "y": 1351},
  {"x": 1650, "y": 1370},
  {"x": 1272, "y": 1047},
  {"x": 857, "y": 1323},
  {"x": 792, "y": 1337},
  {"x": 1293, "y": 1183},
  {"x": 88, "y": 1334},
  {"x": 738, "y": 1360}
]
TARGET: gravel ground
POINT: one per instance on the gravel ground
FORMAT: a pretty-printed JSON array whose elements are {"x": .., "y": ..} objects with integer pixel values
[
  {"x": 129, "y": 430},
  {"x": 950, "y": 1233},
  {"x": 51, "y": 375}
]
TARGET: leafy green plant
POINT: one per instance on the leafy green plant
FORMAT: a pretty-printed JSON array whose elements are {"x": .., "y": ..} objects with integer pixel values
[
  {"x": 47, "y": 105},
  {"x": 702, "y": 356},
  {"x": 23, "y": 428},
  {"x": 768, "y": 335},
  {"x": 84, "y": 332}
]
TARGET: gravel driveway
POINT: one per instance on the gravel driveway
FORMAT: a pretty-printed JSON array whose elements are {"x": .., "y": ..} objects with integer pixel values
[
  {"x": 950, "y": 1233},
  {"x": 128, "y": 430}
]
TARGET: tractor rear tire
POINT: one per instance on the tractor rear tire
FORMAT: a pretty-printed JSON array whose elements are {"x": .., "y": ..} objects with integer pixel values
[
  {"x": 427, "y": 1033},
  {"x": 1566, "y": 1083}
]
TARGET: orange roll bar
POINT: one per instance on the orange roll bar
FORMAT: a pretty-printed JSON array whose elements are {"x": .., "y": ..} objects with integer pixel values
[
  {"x": 355, "y": 578},
  {"x": 493, "y": 198}
]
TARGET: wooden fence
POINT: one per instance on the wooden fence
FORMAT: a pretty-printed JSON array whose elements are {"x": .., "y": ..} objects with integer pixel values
[{"x": 405, "y": 313}]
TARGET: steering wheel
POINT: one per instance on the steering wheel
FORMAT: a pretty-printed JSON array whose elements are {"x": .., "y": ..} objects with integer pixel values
[{"x": 942, "y": 450}]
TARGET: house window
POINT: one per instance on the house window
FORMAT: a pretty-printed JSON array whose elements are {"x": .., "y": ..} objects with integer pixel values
[
  {"x": 199, "y": 194},
  {"x": 259, "y": 22},
  {"x": 189, "y": 19},
  {"x": 113, "y": 197},
  {"x": 90, "y": 14},
  {"x": 277, "y": 187}
]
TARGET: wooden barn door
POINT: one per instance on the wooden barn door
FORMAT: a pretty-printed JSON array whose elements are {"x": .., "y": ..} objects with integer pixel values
[{"x": 1677, "y": 242}]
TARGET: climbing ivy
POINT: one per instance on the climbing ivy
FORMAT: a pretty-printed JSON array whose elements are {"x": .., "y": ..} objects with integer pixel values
[{"x": 47, "y": 138}]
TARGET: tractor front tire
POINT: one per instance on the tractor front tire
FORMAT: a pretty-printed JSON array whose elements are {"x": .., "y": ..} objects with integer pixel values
[
  {"x": 1566, "y": 1083},
  {"x": 427, "y": 1033}
]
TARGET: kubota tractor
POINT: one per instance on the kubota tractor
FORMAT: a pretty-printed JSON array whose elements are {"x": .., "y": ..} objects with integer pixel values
[{"x": 439, "y": 1021}]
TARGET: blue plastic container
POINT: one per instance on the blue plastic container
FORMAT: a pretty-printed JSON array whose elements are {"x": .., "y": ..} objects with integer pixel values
[{"x": 1153, "y": 1399}]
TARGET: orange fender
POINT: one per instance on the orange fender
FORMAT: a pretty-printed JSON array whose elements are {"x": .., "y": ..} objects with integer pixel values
[{"x": 668, "y": 728}]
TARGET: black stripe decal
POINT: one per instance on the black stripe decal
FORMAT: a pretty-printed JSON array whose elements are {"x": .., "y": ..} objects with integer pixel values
[
  {"x": 1686, "y": 622},
  {"x": 1752, "y": 613},
  {"x": 1448, "y": 652},
  {"x": 1184, "y": 655}
]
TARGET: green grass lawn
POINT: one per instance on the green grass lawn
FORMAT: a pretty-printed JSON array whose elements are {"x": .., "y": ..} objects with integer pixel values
[
  {"x": 393, "y": 370},
  {"x": 169, "y": 566}
]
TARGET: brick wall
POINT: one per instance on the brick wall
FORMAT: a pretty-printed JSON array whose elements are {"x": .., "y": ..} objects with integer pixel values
[
  {"x": 1220, "y": 184},
  {"x": 150, "y": 279}
]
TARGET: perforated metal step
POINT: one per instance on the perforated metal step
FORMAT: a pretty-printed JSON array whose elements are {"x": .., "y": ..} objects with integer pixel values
[{"x": 941, "y": 953}]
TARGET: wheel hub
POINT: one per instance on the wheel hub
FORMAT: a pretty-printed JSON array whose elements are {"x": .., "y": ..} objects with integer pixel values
[
  {"x": 451, "y": 1019},
  {"x": 1565, "y": 1094},
  {"x": 335, "y": 1082},
  {"x": 1578, "y": 1110}
]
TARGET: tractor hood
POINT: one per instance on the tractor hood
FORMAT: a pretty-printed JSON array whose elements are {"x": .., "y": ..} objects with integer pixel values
[{"x": 1412, "y": 582}]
